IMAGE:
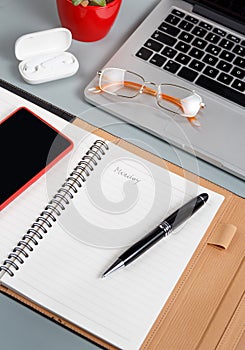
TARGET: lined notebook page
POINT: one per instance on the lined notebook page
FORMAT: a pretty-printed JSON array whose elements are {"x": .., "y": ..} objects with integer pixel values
[{"x": 122, "y": 200}]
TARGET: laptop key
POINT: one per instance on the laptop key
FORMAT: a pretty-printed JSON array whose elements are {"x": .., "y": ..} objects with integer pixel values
[
  {"x": 191, "y": 19},
  {"x": 183, "y": 47},
  {"x": 225, "y": 78},
  {"x": 240, "y": 62},
  {"x": 233, "y": 38},
  {"x": 164, "y": 38},
  {"x": 172, "y": 66},
  {"x": 224, "y": 66},
  {"x": 186, "y": 25},
  {"x": 210, "y": 59},
  {"x": 220, "y": 89},
  {"x": 153, "y": 45},
  {"x": 187, "y": 37},
  {"x": 158, "y": 60},
  {"x": 212, "y": 38},
  {"x": 172, "y": 19},
  {"x": 199, "y": 32},
  {"x": 168, "y": 52},
  {"x": 181, "y": 58},
  {"x": 211, "y": 71},
  {"x": 238, "y": 73},
  {"x": 187, "y": 74},
  {"x": 205, "y": 25},
  {"x": 196, "y": 53},
  {"x": 219, "y": 32},
  {"x": 239, "y": 50},
  {"x": 197, "y": 65},
  {"x": 226, "y": 44},
  {"x": 215, "y": 50},
  {"x": 167, "y": 28},
  {"x": 226, "y": 55},
  {"x": 144, "y": 53},
  {"x": 239, "y": 85},
  {"x": 178, "y": 13},
  {"x": 199, "y": 43}
]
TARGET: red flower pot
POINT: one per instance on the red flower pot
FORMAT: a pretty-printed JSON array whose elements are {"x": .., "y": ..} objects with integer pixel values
[{"x": 90, "y": 23}]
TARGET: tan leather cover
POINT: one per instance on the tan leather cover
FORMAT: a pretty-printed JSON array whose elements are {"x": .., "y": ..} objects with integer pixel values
[{"x": 206, "y": 309}]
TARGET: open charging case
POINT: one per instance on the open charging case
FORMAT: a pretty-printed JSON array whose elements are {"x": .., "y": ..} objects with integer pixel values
[{"x": 44, "y": 57}]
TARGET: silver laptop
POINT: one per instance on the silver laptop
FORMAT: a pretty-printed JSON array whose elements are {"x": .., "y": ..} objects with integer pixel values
[{"x": 198, "y": 45}]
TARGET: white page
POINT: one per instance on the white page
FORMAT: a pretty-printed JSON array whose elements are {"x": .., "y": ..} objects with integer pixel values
[{"x": 63, "y": 274}]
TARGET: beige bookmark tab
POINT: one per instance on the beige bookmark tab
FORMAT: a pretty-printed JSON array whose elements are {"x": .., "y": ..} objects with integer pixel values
[{"x": 222, "y": 236}]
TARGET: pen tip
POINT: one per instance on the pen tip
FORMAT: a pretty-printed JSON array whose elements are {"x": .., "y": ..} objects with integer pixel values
[
  {"x": 106, "y": 273},
  {"x": 118, "y": 264}
]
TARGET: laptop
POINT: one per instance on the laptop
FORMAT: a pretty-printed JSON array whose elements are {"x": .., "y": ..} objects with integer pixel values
[{"x": 199, "y": 45}]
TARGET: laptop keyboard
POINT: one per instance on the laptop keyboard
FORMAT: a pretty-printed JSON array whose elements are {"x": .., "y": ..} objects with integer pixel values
[{"x": 200, "y": 53}]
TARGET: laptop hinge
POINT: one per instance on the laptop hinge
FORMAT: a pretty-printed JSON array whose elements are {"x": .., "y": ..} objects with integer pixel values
[{"x": 215, "y": 16}]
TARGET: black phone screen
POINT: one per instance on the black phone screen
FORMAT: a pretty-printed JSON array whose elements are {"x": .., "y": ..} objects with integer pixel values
[{"x": 29, "y": 147}]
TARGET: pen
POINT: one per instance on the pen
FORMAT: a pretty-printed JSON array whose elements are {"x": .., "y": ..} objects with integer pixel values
[{"x": 161, "y": 231}]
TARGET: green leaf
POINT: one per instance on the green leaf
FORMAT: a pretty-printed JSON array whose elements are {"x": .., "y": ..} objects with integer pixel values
[
  {"x": 99, "y": 2},
  {"x": 76, "y": 2}
]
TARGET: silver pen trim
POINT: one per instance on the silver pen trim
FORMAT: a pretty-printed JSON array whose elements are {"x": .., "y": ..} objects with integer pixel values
[{"x": 167, "y": 229}]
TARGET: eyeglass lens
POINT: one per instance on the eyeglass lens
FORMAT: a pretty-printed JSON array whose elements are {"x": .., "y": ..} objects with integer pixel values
[
  {"x": 120, "y": 82},
  {"x": 178, "y": 100}
]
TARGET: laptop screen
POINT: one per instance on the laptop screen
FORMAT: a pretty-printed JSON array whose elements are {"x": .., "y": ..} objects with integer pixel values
[{"x": 234, "y": 9}]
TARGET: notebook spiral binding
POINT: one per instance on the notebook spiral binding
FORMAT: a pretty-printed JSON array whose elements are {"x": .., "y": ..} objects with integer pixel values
[{"x": 54, "y": 208}]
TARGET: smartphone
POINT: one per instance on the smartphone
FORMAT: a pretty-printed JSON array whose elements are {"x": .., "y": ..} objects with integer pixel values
[{"x": 29, "y": 147}]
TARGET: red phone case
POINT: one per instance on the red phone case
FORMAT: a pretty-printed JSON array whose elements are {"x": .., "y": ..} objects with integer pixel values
[{"x": 45, "y": 169}]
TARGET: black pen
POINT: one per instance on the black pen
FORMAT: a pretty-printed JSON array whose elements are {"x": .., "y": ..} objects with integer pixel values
[{"x": 161, "y": 231}]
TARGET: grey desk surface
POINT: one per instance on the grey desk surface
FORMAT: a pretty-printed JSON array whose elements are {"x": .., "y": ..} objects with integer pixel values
[{"x": 20, "y": 327}]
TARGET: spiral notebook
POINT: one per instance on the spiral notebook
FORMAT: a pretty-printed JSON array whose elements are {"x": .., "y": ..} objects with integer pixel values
[{"x": 59, "y": 236}]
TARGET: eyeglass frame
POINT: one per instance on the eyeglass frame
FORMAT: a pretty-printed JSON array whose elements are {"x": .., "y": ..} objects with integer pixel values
[{"x": 150, "y": 91}]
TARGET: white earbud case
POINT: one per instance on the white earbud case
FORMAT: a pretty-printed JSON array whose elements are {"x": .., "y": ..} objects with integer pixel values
[{"x": 43, "y": 56}]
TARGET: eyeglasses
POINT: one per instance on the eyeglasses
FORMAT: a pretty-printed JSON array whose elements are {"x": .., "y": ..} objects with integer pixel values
[{"x": 172, "y": 98}]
